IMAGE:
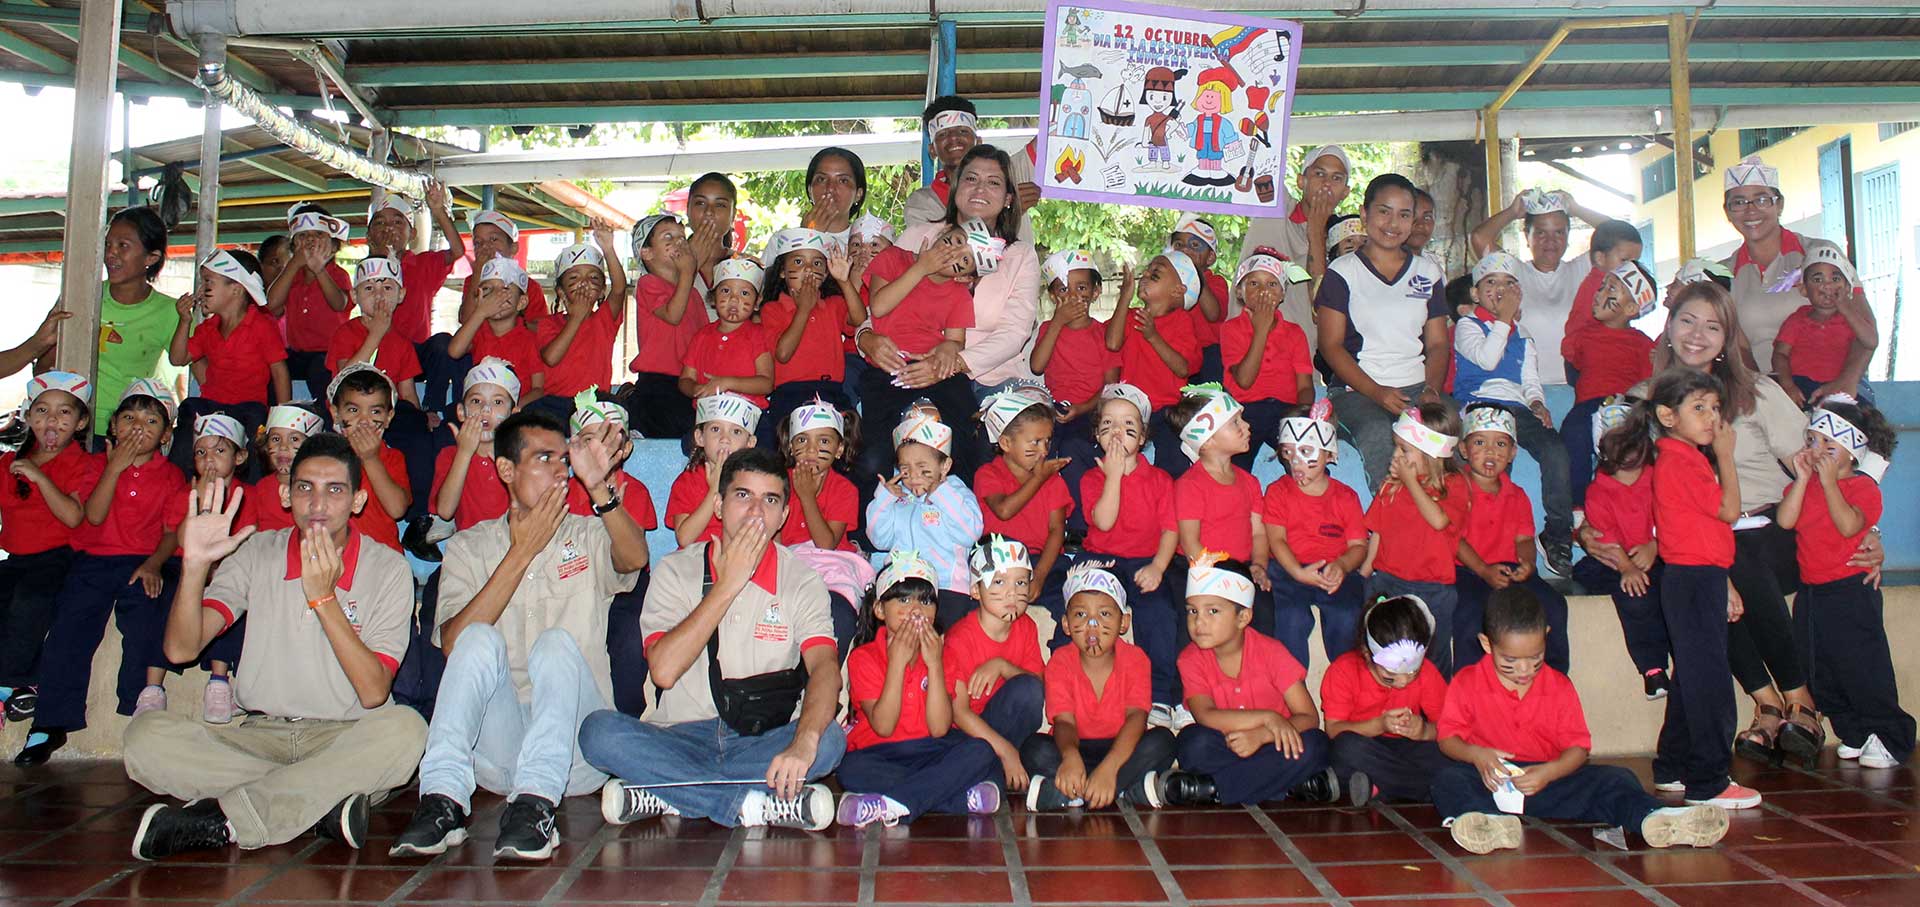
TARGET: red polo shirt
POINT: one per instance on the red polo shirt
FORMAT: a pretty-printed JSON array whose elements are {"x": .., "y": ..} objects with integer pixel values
[
  {"x": 839, "y": 503},
  {"x": 1208, "y": 332},
  {"x": 249, "y": 514},
  {"x": 310, "y": 321},
  {"x": 372, "y": 521},
  {"x": 1225, "y": 511},
  {"x": 268, "y": 513},
  {"x": 714, "y": 353},
  {"x": 137, "y": 517},
  {"x": 1409, "y": 548},
  {"x": 663, "y": 346},
  {"x": 867, "y": 677},
  {"x": 423, "y": 274},
  {"x": 482, "y": 495},
  {"x": 968, "y": 647},
  {"x": 1032, "y": 525},
  {"x": 1146, "y": 511},
  {"x": 1081, "y": 360},
  {"x": 518, "y": 346},
  {"x": 1348, "y": 692},
  {"x": 1319, "y": 527},
  {"x": 1142, "y": 367},
  {"x": 588, "y": 363},
  {"x": 1535, "y": 726},
  {"x": 1282, "y": 360},
  {"x": 1267, "y": 671},
  {"x": 1099, "y": 716},
  {"x": 27, "y": 525},
  {"x": 1823, "y": 551},
  {"x": 821, "y": 356},
  {"x": 1610, "y": 360},
  {"x": 1623, "y": 513},
  {"x": 634, "y": 498},
  {"x": 1497, "y": 520},
  {"x": 536, "y": 310},
  {"x": 1580, "y": 317},
  {"x": 689, "y": 489},
  {"x": 1819, "y": 347},
  {"x": 394, "y": 356},
  {"x": 918, "y": 323},
  {"x": 239, "y": 364},
  {"x": 1686, "y": 508}
]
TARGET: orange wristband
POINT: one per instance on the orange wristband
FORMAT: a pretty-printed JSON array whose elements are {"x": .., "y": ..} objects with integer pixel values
[{"x": 317, "y": 602}]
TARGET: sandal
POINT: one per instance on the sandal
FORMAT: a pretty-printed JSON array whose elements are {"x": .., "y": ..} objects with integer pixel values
[
  {"x": 1803, "y": 736},
  {"x": 1759, "y": 741}
]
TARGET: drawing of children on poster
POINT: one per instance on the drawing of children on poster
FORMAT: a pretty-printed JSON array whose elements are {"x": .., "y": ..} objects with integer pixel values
[
  {"x": 1214, "y": 136},
  {"x": 1159, "y": 99}
]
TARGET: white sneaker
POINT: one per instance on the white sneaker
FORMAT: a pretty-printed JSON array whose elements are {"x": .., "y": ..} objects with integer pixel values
[
  {"x": 1161, "y": 715},
  {"x": 810, "y": 810},
  {"x": 216, "y": 704},
  {"x": 152, "y": 699},
  {"x": 1874, "y": 754},
  {"x": 1734, "y": 797},
  {"x": 1693, "y": 826},
  {"x": 1848, "y": 752},
  {"x": 1182, "y": 718},
  {"x": 621, "y": 804}
]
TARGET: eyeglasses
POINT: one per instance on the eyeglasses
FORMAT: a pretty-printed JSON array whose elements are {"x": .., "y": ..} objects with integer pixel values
[{"x": 1763, "y": 202}]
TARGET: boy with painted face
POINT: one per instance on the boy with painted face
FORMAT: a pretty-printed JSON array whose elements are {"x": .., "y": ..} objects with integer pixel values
[
  {"x": 1021, "y": 493},
  {"x": 1382, "y": 702},
  {"x": 1811, "y": 350},
  {"x": 1316, "y": 536},
  {"x": 1101, "y": 750},
  {"x": 466, "y": 488},
  {"x": 1195, "y": 236},
  {"x": 1497, "y": 549},
  {"x": 1611, "y": 356},
  {"x": 494, "y": 329},
  {"x": 992, "y": 657},
  {"x": 924, "y": 509},
  {"x": 1157, "y": 345}
]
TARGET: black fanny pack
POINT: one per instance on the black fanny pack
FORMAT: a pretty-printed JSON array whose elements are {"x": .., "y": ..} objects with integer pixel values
[{"x": 751, "y": 705}]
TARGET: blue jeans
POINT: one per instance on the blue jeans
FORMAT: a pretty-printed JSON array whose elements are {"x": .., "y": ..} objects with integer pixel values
[
  {"x": 1441, "y": 599},
  {"x": 482, "y": 733},
  {"x": 642, "y": 753}
]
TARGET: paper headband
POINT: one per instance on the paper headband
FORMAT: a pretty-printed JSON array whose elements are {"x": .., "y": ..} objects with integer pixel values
[
  {"x": 1846, "y": 434},
  {"x": 1342, "y": 230},
  {"x": 951, "y": 119},
  {"x": 741, "y": 269},
  {"x": 727, "y": 406},
  {"x": 1205, "y": 579},
  {"x": 1187, "y": 271},
  {"x": 1214, "y": 415},
  {"x": 870, "y": 228},
  {"x": 1121, "y": 390},
  {"x": 390, "y": 202},
  {"x": 498, "y": 221},
  {"x": 643, "y": 231},
  {"x": 987, "y": 248},
  {"x": 1191, "y": 223},
  {"x": 921, "y": 428},
  {"x": 315, "y": 222},
  {"x": 77, "y": 385},
  {"x": 224, "y": 264},
  {"x": 1314, "y": 431},
  {"x": 1095, "y": 576},
  {"x": 1490, "y": 418},
  {"x": 293, "y": 418},
  {"x": 1826, "y": 253},
  {"x": 1702, "y": 269},
  {"x": 1638, "y": 286},
  {"x": 995, "y": 553},
  {"x": 351, "y": 368},
  {"x": 1000, "y": 408},
  {"x": 590, "y": 410},
  {"x": 1751, "y": 172},
  {"x": 1543, "y": 201},
  {"x": 495, "y": 372},
  {"x": 794, "y": 239},
  {"x": 1410, "y": 429},
  {"x": 818, "y": 414},
  {"x": 1283, "y": 270},
  {"x": 1496, "y": 262},
  {"x": 220, "y": 425},
  {"x": 505, "y": 270},
  {"x": 580, "y": 253},
  {"x": 149, "y": 387},
  {"x": 377, "y": 267},
  {"x": 904, "y": 564},
  {"x": 1061, "y": 264},
  {"x": 1402, "y": 656}
]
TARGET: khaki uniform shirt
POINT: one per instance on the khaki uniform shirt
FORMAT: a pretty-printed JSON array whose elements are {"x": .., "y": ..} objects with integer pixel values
[{"x": 1761, "y": 309}]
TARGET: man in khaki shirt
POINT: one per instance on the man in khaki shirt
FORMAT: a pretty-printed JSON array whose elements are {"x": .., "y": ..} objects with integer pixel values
[
  {"x": 319, "y": 739},
  {"x": 523, "y": 619},
  {"x": 763, "y": 611},
  {"x": 1302, "y": 235}
]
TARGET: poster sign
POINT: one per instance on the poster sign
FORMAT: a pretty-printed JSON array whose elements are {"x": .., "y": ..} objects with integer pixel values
[{"x": 1166, "y": 107}]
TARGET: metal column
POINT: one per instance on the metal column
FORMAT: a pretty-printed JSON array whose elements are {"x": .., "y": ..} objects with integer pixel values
[
  {"x": 95, "y": 70},
  {"x": 1678, "y": 36},
  {"x": 943, "y": 67},
  {"x": 213, "y": 53}
]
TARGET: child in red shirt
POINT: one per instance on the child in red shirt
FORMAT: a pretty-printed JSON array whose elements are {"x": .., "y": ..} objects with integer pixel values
[
  {"x": 310, "y": 294},
  {"x": 1417, "y": 520},
  {"x": 287, "y": 428},
  {"x": 494, "y": 235},
  {"x": 1070, "y": 352},
  {"x": 494, "y": 330},
  {"x": 362, "y": 409},
  {"x": 724, "y": 423},
  {"x": 1519, "y": 741},
  {"x": 1268, "y": 366},
  {"x": 902, "y": 761},
  {"x": 733, "y": 353},
  {"x": 824, "y": 505},
  {"x": 1316, "y": 536},
  {"x": 992, "y": 657},
  {"x": 122, "y": 545},
  {"x": 626, "y": 645},
  {"x": 1098, "y": 695},
  {"x": 1021, "y": 493},
  {"x": 668, "y": 313},
  {"x": 1611, "y": 356},
  {"x": 1811, "y": 349},
  {"x": 219, "y": 449},
  {"x": 1622, "y": 559},
  {"x": 1157, "y": 347},
  {"x": 578, "y": 349},
  {"x": 38, "y": 512},
  {"x": 1838, "y": 614},
  {"x": 1256, "y": 733},
  {"x": 390, "y": 232},
  {"x": 1497, "y": 549},
  {"x": 806, "y": 320},
  {"x": 370, "y": 338},
  {"x": 466, "y": 488},
  {"x": 1194, "y": 236},
  {"x": 236, "y": 354},
  {"x": 1215, "y": 503},
  {"x": 1382, "y": 701}
]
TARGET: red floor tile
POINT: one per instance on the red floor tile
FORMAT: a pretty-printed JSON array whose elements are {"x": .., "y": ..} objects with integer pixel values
[
  {"x": 1766, "y": 895},
  {"x": 1081, "y": 852},
  {"x": 1359, "y": 881},
  {"x": 942, "y": 886},
  {"x": 1220, "y": 851},
  {"x": 1210, "y": 823},
  {"x": 1358, "y": 848},
  {"x": 1609, "y": 898},
  {"x": 1533, "y": 873},
  {"x": 801, "y": 853},
  {"x": 1239, "y": 884},
  {"x": 654, "y": 853},
  {"x": 777, "y": 886},
  {"x": 1829, "y": 803},
  {"x": 971, "y": 853},
  {"x": 55, "y": 881},
  {"x": 1751, "y": 828},
  {"x": 1057, "y": 886},
  {"x": 334, "y": 884},
  {"x": 1671, "y": 867},
  {"x": 163, "y": 881},
  {"x": 1824, "y": 861},
  {"x": 1883, "y": 827},
  {"x": 629, "y": 886},
  {"x": 1331, "y": 821},
  {"x": 1872, "y": 892}
]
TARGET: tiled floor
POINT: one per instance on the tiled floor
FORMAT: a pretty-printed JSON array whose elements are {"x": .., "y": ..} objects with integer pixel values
[{"x": 1839, "y": 836}]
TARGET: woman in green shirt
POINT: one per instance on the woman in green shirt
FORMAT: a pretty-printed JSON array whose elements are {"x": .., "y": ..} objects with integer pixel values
[{"x": 136, "y": 320}]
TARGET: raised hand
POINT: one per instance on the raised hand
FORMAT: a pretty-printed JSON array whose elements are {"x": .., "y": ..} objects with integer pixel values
[
  {"x": 206, "y": 534},
  {"x": 531, "y": 528},
  {"x": 592, "y": 461},
  {"x": 320, "y": 565}
]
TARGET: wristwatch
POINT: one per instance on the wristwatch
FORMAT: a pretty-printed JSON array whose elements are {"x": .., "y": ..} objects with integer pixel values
[{"x": 613, "y": 501}]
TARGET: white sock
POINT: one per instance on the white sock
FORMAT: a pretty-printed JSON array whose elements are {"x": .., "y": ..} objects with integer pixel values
[{"x": 753, "y": 809}]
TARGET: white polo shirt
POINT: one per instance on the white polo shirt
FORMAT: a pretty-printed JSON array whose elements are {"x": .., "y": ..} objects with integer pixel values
[
  {"x": 1546, "y": 298},
  {"x": 1386, "y": 314}
]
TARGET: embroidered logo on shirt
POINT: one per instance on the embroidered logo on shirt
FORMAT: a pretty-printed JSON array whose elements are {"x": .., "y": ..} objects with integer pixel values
[
  {"x": 772, "y": 626},
  {"x": 351, "y": 608},
  {"x": 929, "y": 517},
  {"x": 1421, "y": 284},
  {"x": 572, "y": 562}
]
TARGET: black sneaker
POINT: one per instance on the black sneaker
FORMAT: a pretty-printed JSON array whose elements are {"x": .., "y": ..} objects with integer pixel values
[
  {"x": 621, "y": 804},
  {"x": 40, "y": 747},
  {"x": 168, "y": 830},
  {"x": 415, "y": 541},
  {"x": 437, "y": 824},
  {"x": 1188, "y": 789},
  {"x": 346, "y": 822},
  {"x": 527, "y": 830},
  {"x": 1657, "y": 684},
  {"x": 1323, "y": 787},
  {"x": 21, "y": 704},
  {"x": 1559, "y": 557},
  {"x": 1145, "y": 792},
  {"x": 1043, "y": 796}
]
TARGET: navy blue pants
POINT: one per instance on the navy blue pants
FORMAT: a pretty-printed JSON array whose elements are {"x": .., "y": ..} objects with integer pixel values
[
  {"x": 1398, "y": 768},
  {"x": 1154, "y": 753},
  {"x": 1441, "y": 598},
  {"x": 1166, "y": 445},
  {"x": 1159, "y": 621},
  {"x": 310, "y": 367},
  {"x": 250, "y": 415},
  {"x": 1576, "y": 434},
  {"x": 1263, "y": 420},
  {"x": 880, "y": 407},
  {"x": 1212, "y": 368},
  {"x": 97, "y": 587},
  {"x": 224, "y": 648},
  {"x": 1052, "y": 595},
  {"x": 931, "y": 774},
  {"x": 443, "y": 374},
  {"x": 1843, "y": 636},
  {"x": 1593, "y": 793},
  {"x": 791, "y": 396},
  {"x": 1015, "y": 710},
  {"x": 950, "y": 607},
  {"x": 29, "y": 588},
  {"x": 1470, "y": 613},
  {"x": 626, "y": 647},
  {"x": 1640, "y": 619},
  {"x": 1265, "y": 775},
  {"x": 408, "y": 434},
  {"x": 658, "y": 410},
  {"x": 1696, "y": 741},
  {"x": 846, "y": 622},
  {"x": 1074, "y": 440},
  {"x": 1293, "y": 606}
]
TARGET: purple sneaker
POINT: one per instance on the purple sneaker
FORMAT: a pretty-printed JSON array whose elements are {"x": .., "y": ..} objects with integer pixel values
[
  {"x": 983, "y": 799},
  {"x": 861, "y": 810}
]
